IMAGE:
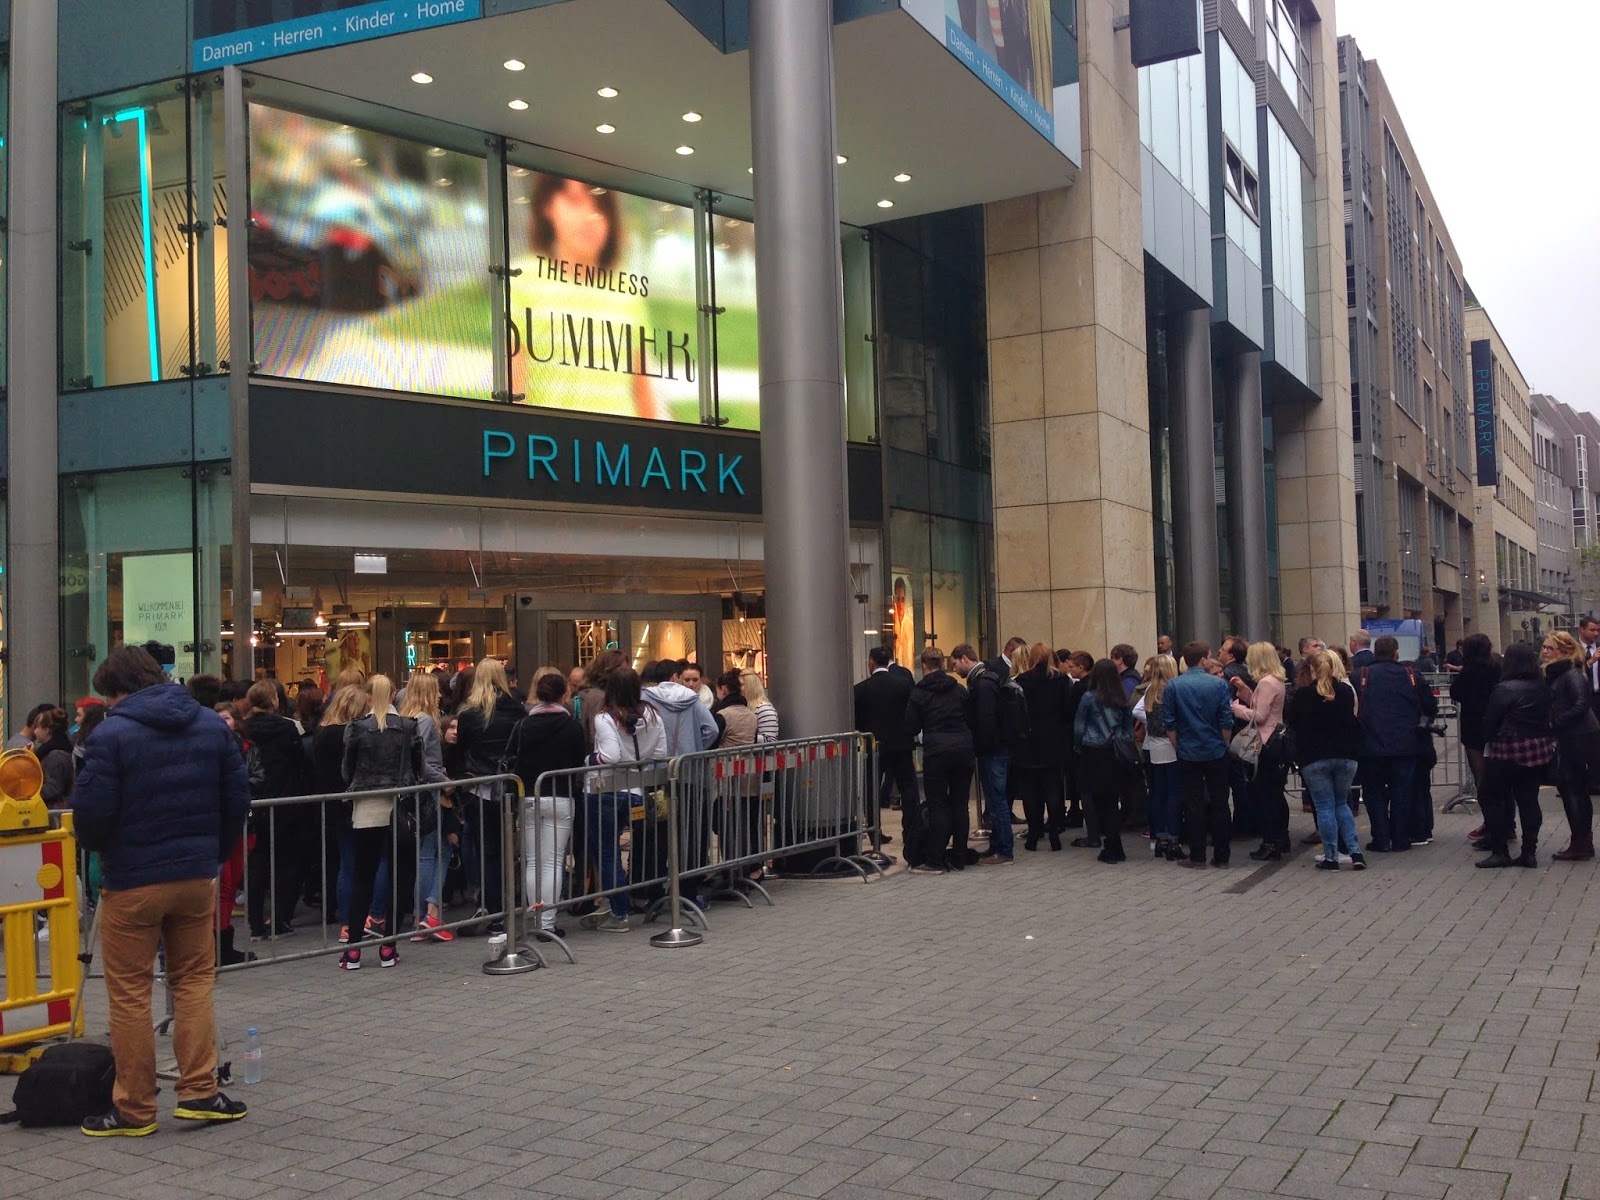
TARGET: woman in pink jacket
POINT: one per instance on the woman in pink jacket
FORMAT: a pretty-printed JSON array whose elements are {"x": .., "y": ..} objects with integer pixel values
[{"x": 1262, "y": 706}]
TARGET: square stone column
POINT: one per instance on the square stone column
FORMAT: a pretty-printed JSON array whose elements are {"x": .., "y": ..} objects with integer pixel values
[
  {"x": 1074, "y": 553},
  {"x": 1319, "y": 579}
]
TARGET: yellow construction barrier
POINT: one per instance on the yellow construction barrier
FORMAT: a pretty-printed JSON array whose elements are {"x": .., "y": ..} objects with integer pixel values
[{"x": 38, "y": 874}]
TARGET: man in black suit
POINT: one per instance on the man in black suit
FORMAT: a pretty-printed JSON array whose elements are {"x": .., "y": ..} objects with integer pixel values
[{"x": 881, "y": 711}]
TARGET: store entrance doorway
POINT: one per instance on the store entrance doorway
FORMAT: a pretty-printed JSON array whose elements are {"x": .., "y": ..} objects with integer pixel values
[{"x": 551, "y": 629}]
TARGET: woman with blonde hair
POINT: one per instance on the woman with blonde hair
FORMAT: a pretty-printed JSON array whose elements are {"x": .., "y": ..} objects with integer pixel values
[
  {"x": 1161, "y": 760},
  {"x": 1577, "y": 740},
  {"x": 1262, "y": 707},
  {"x": 1327, "y": 738},
  {"x": 382, "y": 750},
  {"x": 755, "y": 694},
  {"x": 484, "y": 725},
  {"x": 421, "y": 704},
  {"x": 1038, "y": 762}
]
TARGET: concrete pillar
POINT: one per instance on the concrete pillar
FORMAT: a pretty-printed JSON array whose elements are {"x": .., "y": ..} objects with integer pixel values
[
  {"x": 33, "y": 564},
  {"x": 1196, "y": 597},
  {"x": 1244, "y": 453},
  {"x": 799, "y": 289}
]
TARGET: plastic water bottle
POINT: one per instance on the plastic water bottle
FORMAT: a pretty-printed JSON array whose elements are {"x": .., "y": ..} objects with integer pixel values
[{"x": 252, "y": 1056}]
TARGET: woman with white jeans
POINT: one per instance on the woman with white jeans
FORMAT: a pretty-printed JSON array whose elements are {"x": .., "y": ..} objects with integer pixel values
[{"x": 548, "y": 739}]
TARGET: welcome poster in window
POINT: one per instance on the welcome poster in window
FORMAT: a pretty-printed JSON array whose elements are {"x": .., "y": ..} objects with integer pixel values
[
  {"x": 603, "y": 316},
  {"x": 369, "y": 259}
]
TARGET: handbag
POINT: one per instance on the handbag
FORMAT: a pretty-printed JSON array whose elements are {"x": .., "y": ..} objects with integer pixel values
[
  {"x": 1246, "y": 745},
  {"x": 1122, "y": 745}
]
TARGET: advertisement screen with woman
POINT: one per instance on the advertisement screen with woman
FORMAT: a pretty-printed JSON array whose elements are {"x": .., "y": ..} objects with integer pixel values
[{"x": 603, "y": 315}]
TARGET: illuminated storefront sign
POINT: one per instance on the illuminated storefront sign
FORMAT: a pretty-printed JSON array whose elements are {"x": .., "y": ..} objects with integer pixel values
[
  {"x": 226, "y": 31},
  {"x": 411, "y": 448}
]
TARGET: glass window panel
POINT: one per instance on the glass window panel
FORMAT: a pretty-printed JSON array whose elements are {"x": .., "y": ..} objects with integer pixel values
[
  {"x": 125, "y": 266},
  {"x": 369, "y": 258},
  {"x": 737, "y": 345}
]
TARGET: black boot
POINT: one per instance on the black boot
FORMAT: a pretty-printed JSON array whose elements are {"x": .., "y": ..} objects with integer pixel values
[
  {"x": 1031, "y": 842},
  {"x": 1498, "y": 859},
  {"x": 1529, "y": 856},
  {"x": 1055, "y": 840},
  {"x": 227, "y": 956}
]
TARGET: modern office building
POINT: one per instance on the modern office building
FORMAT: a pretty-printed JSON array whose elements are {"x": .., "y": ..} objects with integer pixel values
[
  {"x": 402, "y": 333},
  {"x": 1554, "y": 477},
  {"x": 1577, "y": 450},
  {"x": 1505, "y": 532},
  {"x": 1167, "y": 349},
  {"x": 1410, "y": 394}
]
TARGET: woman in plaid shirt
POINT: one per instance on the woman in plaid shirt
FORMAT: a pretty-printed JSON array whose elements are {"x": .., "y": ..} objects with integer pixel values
[{"x": 1520, "y": 745}]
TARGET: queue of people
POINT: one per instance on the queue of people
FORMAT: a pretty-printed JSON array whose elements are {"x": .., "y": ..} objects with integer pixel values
[{"x": 1196, "y": 749}]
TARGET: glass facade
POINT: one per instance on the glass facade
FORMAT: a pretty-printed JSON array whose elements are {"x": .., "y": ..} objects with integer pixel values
[
  {"x": 142, "y": 271},
  {"x": 1241, "y": 187},
  {"x": 1172, "y": 122},
  {"x": 1287, "y": 193},
  {"x": 933, "y": 391}
]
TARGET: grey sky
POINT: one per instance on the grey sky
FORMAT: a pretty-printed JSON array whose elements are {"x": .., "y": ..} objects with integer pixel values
[{"x": 1501, "y": 103}]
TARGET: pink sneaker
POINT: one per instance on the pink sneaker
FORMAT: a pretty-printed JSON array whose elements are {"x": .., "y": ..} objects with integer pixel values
[{"x": 428, "y": 928}]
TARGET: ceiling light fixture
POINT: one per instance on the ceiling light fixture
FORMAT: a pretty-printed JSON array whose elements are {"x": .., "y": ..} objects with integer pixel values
[
  {"x": 692, "y": 117},
  {"x": 443, "y": 181},
  {"x": 840, "y": 159},
  {"x": 605, "y": 128},
  {"x": 607, "y": 93},
  {"x": 885, "y": 203},
  {"x": 358, "y": 162},
  {"x": 436, "y": 151},
  {"x": 685, "y": 150},
  {"x": 902, "y": 178},
  {"x": 514, "y": 64},
  {"x": 422, "y": 77},
  {"x": 517, "y": 105}
]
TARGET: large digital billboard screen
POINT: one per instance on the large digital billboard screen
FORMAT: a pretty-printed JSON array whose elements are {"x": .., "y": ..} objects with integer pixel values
[{"x": 369, "y": 261}]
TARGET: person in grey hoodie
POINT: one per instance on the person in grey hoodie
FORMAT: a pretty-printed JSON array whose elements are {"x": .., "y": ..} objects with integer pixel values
[{"x": 687, "y": 721}]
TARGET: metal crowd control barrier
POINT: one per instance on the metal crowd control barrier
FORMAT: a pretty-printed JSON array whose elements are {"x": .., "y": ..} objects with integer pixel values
[
  {"x": 1452, "y": 770},
  {"x": 282, "y": 836},
  {"x": 624, "y": 837}
]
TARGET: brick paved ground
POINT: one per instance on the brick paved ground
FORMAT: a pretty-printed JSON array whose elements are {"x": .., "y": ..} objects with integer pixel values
[{"x": 1058, "y": 1028}]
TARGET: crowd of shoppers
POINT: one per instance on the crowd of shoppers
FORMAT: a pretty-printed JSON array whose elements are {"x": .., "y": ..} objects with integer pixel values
[{"x": 1198, "y": 752}]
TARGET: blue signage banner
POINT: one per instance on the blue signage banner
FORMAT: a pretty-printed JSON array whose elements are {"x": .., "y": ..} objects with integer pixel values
[
  {"x": 1483, "y": 425},
  {"x": 1001, "y": 82},
  {"x": 341, "y": 26}
]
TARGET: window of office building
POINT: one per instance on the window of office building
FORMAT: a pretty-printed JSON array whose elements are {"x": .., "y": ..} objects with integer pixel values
[
  {"x": 1240, "y": 165},
  {"x": 1287, "y": 174},
  {"x": 1287, "y": 55},
  {"x": 143, "y": 268},
  {"x": 1172, "y": 122}
]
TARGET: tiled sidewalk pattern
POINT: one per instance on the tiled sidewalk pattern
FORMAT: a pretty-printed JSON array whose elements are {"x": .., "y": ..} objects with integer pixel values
[{"x": 1055, "y": 1029}]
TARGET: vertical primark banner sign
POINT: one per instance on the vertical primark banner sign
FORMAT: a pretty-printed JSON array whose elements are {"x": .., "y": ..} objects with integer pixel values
[
  {"x": 238, "y": 31},
  {"x": 1483, "y": 430}
]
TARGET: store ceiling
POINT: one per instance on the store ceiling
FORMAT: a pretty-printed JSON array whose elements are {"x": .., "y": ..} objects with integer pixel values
[{"x": 905, "y": 104}]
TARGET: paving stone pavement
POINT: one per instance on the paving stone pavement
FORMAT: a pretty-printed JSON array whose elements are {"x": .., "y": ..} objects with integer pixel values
[{"x": 1058, "y": 1028}]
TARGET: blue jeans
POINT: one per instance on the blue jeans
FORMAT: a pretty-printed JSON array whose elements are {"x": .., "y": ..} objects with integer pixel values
[
  {"x": 1328, "y": 780},
  {"x": 992, "y": 772},
  {"x": 347, "y": 865},
  {"x": 605, "y": 816},
  {"x": 430, "y": 869},
  {"x": 1386, "y": 787},
  {"x": 1166, "y": 801}
]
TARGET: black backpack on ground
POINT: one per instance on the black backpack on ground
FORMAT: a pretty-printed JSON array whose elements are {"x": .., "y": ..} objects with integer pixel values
[{"x": 66, "y": 1085}]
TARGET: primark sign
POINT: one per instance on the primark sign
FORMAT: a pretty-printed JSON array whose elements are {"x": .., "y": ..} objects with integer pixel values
[{"x": 240, "y": 31}]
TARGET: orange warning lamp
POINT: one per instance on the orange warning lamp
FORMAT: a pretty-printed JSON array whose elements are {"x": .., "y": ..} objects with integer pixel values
[{"x": 22, "y": 809}]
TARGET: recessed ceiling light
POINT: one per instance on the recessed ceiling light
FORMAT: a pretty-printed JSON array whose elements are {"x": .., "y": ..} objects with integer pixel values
[
  {"x": 422, "y": 77},
  {"x": 902, "y": 178},
  {"x": 443, "y": 181},
  {"x": 605, "y": 128},
  {"x": 358, "y": 162},
  {"x": 692, "y": 117},
  {"x": 885, "y": 203},
  {"x": 517, "y": 105},
  {"x": 514, "y": 64},
  {"x": 436, "y": 151},
  {"x": 607, "y": 93},
  {"x": 597, "y": 191},
  {"x": 685, "y": 150},
  {"x": 522, "y": 200},
  {"x": 750, "y": 170},
  {"x": 840, "y": 159}
]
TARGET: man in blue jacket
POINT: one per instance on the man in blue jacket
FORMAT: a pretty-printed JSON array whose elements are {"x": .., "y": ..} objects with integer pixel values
[
  {"x": 163, "y": 796},
  {"x": 1199, "y": 710},
  {"x": 1394, "y": 702}
]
